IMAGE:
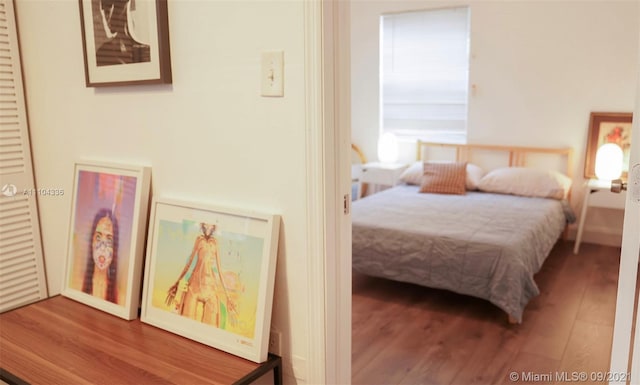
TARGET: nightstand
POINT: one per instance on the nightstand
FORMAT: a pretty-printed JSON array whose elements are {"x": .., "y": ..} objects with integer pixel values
[
  {"x": 597, "y": 194},
  {"x": 382, "y": 174}
]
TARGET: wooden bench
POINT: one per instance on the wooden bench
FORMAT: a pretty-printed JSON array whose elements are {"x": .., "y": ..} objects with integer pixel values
[{"x": 60, "y": 341}]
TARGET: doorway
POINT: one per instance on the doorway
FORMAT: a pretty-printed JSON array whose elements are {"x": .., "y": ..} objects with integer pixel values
[{"x": 370, "y": 143}]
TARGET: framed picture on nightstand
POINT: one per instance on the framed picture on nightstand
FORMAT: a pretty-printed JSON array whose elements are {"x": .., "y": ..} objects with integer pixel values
[{"x": 608, "y": 127}]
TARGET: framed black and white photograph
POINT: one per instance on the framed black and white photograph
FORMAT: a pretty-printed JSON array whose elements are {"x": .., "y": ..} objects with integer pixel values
[{"x": 125, "y": 42}]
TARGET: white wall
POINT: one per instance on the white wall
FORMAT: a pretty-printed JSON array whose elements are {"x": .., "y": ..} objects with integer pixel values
[
  {"x": 539, "y": 68},
  {"x": 209, "y": 137}
]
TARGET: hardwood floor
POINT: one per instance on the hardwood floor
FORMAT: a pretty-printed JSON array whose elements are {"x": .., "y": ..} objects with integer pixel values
[{"x": 407, "y": 334}]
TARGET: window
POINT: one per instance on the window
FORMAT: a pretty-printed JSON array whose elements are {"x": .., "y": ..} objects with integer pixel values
[{"x": 424, "y": 73}]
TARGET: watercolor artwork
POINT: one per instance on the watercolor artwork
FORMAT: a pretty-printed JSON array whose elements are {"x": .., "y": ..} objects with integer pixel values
[
  {"x": 105, "y": 248},
  {"x": 209, "y": 276}
]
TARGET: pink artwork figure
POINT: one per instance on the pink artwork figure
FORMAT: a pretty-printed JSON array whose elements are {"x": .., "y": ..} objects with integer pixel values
[
  {"x": 100, "y": 276},
  {"x": 205, "y": 286}
]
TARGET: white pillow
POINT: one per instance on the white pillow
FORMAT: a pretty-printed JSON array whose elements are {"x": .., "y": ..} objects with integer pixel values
[
  {"x": 413, "y": 175},
  {"x": 474, "y": 175},
  {"x": 525, "y": 181}
]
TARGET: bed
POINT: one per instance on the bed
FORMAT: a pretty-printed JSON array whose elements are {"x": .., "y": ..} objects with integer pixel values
[{"x": 487, "y": 244}]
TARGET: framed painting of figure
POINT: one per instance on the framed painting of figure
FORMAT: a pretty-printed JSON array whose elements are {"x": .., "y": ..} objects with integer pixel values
[
  {"x": 608, "y": 127},
  {"x": 105, "y": 248},
  {"x": 125, "y": 42},
  {"x": 209, "y": 275}
]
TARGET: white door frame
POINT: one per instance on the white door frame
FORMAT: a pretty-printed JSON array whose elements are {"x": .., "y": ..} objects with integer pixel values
[
  {"x": 327, "y": 60},
  {"x": 328, "y": 145},
  {"x": 316, "y": 204},
  {"x": 622, "y": 349},
  {"x": 338, "y": 264},
  {"x": 336, "y": 267}
]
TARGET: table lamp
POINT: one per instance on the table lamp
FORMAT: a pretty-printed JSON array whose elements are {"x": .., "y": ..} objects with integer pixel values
[
  {"x": 388, "y": 148},
  {"x": 609, "y": 159}
]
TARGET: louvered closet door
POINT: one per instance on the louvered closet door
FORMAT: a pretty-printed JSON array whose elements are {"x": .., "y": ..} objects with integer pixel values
[{"x": 22, "y": 278}]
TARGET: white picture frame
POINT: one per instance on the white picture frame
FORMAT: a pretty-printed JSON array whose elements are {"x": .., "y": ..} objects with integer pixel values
[
  {"x": 209, "y": 275},
  {"x": 107, "y": 228}
]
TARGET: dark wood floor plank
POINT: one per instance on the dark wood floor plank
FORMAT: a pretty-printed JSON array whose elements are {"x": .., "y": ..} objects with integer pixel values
[
  {"x": 440, "y": 364},
  {"x": 551, "y": 331},
  {"x": 384, "y": 321},
  {"x": 493, "y": 354},
  {"x": 585, "y": 349},
  {"x": 407, "y": 334},
  {"x": 597, "y": 306},
  {"x": 530, "y": 369}
]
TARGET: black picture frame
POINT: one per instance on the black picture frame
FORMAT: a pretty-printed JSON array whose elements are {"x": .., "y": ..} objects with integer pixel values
[{"x": 125, "y": 42}]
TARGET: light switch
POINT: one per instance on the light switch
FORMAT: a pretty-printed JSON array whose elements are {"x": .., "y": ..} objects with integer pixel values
[{"x": 273, "y": 73}]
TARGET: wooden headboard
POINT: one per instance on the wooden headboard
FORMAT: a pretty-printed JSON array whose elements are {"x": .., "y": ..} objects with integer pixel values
[{"x": 514, "y": 156}]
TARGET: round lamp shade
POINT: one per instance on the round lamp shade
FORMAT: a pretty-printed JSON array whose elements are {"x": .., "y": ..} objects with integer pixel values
[
  {"x": 609, "y": 160},
  {"x": 388, "y": 148}
]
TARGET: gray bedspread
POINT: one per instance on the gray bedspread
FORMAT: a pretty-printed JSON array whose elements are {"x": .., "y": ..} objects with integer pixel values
[{"x": 479, "y": 244}]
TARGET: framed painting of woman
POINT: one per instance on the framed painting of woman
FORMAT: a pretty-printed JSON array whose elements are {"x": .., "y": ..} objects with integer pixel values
[{"x": 106, "y": 237}]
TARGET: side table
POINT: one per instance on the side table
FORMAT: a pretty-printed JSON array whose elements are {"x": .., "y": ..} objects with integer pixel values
[
  {"x": 383, "y": 174},
  {"x": 597, "y": 193}
]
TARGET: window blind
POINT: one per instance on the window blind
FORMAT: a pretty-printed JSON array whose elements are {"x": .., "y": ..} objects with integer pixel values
[{"x": 425, "y": 72}]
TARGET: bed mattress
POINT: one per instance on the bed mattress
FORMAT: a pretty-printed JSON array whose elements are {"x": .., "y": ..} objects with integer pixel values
[{"x": 480, "y": 244}]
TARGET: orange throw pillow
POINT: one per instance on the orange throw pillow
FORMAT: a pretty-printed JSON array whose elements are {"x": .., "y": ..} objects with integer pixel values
[{"x": 444, "y": 178}]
